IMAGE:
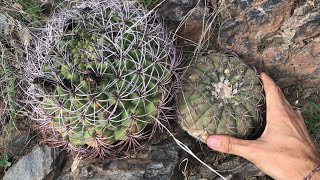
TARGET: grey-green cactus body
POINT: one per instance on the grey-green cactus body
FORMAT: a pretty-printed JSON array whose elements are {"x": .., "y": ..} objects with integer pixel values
[
  {"x": 110, "y": 67},
  {"x": 221, "y": 95}
]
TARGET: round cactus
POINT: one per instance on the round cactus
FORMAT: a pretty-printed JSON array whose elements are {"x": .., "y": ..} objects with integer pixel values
[
  {"x": 221, "y": 95},
  {"x": 102, "y": 76}
]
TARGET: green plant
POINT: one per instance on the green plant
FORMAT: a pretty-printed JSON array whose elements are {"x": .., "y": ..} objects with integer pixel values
[
  {"x": 7, "y": 89},
  {"x": 148, "y": 3},
  {"x": 7, "y": 95},
  {"x": 4, "y": 162},
  {"x": 10, "y": 51},
  {"x": 102, "y": 78},
  {"x": 221, "y": 95},
  {"x": 33, "y": 11},
  {"x": 7, "y": 100},
  {"x": 312, "y": 119},
  {"x": 14, "y": 37}
]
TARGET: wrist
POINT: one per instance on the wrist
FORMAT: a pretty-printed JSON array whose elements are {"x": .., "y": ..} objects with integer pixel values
[
  {"x": 314, "y": 173},
  {"x": 315, "y": 176}
]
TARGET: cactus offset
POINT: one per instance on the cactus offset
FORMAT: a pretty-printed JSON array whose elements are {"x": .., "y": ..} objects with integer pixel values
[
  {"x": 104, "y": 76},
  {"x": 221, "y": 95}
]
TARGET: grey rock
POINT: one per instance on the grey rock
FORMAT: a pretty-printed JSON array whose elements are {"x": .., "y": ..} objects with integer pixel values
[
  {"x": 237, "y": 168},
  {"x": 230, "y": 167},
  {"x": 175, "y": 10},
  {"x": 34, "y": 166},
  {"x": 164, "y": 161},
  {"x": 67, "y": 176},
  {"x": 309, "y": 27},
  {"x": 155, "y": 162},
  {"x": 192, "y": 178},
  {"x": 271, "y": 4},
  {"x": 279, "y": 37},
  {"x": 187, "y": 19},
  {"x": 228, "y": 177},
  {"x": 18, "y": 144},
  {"x": 244, "y": 4}
]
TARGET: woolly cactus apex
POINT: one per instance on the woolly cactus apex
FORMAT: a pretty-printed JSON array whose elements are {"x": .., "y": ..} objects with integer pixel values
[
  {"x": 102, "y": 77},
  {"x": 221, "y": 95}
]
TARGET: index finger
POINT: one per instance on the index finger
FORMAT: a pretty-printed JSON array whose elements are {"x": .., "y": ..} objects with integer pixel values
[{"x": 272, "y": 91}]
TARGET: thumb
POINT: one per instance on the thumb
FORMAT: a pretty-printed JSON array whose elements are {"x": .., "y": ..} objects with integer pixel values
[{"x": 230, "y": 145}]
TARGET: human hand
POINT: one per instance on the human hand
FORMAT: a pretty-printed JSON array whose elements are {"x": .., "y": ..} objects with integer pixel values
[{"x": 285, "y": 149}]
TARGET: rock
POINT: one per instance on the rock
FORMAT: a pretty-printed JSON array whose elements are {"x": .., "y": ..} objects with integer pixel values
[
  {"x": 229, "y": 166},
  {"x": 18, "y": 145},
  {"x": 238, "y": 168},
  {"x": 36, "y": 165},
  {"x": 280, "y": 37},
  {"x": 161, "y": 161},
  {"x": 269, "y": 36},
  {"x": 156, "y": 162},
  {"x": 187, "y": 18}
]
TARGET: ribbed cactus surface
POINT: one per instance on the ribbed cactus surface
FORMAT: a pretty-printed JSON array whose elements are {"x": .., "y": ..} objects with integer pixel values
[
  {"x": 221, "y": 95},
  {"x": 102, "y": 75}
]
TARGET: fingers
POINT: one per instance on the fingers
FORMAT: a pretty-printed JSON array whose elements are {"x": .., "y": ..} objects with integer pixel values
[
  {"x": 276, "y": 102},
  {"x": 230, "y": 145},
  {"x": 267, "y": 81},
  {"x": 272, "y": 91},
  {"x": 300, "y": 121},
  {"x": 298, "y": 113},
  {"x": 303, "y": 127}
]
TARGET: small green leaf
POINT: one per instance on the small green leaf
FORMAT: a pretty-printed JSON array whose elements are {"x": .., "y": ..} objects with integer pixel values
[{"x": 4, "y": 161}]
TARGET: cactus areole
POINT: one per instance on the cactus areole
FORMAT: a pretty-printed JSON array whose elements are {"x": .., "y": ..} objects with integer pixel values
[
  {"x": 221, "y": 95},
  {"x": 103, "y": 76}
]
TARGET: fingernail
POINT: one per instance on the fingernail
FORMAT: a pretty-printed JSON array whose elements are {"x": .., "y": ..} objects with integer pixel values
[
  {"x": 213, "y": 142},
  {"x": 298, "y": 111}
]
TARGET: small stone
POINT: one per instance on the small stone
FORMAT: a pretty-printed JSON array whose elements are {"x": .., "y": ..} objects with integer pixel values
[
  {"x": 192, "y": 178},
  {"x": 35, "y": 165},
  {"x": 18, "y": 145},
  {"x": 159, "y": 162},
  {"x": 300, "y": 11}
]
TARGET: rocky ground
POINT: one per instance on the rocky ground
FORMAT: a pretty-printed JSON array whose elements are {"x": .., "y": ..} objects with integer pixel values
[{"x": 280, "y": 37}]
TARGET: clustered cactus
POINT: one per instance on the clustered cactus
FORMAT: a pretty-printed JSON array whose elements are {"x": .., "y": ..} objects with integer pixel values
[
  {"x": 103, "y": 73},
  {"x": 221, "y": 95},
  {"x": 101, "y": 77}
]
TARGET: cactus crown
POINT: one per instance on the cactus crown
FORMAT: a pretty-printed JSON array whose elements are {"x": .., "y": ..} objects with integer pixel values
[
  {"x": 221, "y": 95},
  {"x": 103, "y": 75}
]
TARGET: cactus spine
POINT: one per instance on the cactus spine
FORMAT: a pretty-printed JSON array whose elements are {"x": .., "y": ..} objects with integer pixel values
[
  {"x": 102, "y": 76},
  {"x": 221, "y": 95}
]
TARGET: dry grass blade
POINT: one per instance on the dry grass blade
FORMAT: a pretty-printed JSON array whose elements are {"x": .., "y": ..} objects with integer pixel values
[{"x": 14, "y": 38}]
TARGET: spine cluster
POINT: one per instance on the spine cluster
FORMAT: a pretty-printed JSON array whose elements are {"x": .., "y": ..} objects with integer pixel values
[{"x": 101, "y": 77}]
